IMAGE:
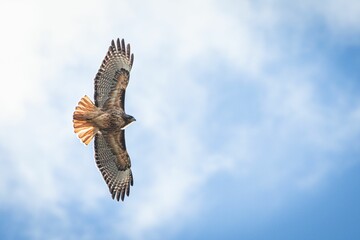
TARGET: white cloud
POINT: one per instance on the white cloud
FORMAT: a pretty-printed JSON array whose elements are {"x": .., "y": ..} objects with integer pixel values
[
  {"x": 51, "y": 63},
  {"x": 341, "y": 16}
]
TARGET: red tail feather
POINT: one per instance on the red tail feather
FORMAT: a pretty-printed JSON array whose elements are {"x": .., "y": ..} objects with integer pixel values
[{"x": 83, "y": 127}]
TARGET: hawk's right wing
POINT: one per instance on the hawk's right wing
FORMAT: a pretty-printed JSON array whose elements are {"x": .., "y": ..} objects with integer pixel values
[
  {"x": 113, "y": 75},
  {"x": 114, "y": 162}
]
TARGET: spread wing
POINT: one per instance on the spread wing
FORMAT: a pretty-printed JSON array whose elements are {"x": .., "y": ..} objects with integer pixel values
[
  {"x": 114, "y": 162},
  {"x": 113, "y": 75}
]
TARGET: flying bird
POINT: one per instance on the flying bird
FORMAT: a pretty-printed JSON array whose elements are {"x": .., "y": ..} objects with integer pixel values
[{"x": 106, "y": 119}]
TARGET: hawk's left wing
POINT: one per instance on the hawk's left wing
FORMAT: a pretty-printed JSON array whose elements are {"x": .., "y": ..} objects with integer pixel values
[{"x": 114, "y": 162}]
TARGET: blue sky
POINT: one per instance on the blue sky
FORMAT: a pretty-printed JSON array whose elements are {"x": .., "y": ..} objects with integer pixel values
[{"x": 248, "y": 120}]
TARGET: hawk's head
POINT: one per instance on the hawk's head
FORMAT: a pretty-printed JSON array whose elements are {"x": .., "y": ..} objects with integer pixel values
[{"x": 128, "y": 120}]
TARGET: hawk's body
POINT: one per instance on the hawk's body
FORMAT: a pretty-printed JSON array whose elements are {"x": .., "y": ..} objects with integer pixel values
[{"x": 106, "y": 119}]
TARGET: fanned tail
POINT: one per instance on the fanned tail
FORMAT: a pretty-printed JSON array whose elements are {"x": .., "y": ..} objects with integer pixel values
[{"x": 82, "y": 116}]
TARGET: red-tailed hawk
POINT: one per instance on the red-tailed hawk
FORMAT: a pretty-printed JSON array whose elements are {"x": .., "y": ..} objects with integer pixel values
[{"x": 106, "y": 119}]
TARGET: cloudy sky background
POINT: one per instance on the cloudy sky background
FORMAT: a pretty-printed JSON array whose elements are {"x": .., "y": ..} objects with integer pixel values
[{"x": 248, "y": 119}]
